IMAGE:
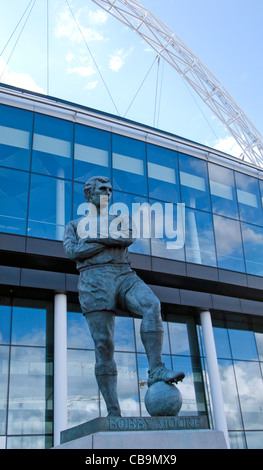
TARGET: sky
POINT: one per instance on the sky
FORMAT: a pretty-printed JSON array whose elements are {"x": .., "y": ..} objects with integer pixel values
[{"x": 109, "y": 67}]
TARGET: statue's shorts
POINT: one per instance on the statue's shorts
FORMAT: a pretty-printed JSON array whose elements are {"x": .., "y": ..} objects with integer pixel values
[{"x": 104, "y": 287}]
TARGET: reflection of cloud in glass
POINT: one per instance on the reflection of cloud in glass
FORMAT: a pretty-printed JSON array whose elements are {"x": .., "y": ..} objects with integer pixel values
[
  {"x": 78, "y": 331},
  {"x": 179, "y": 338},
  {"x": 124, "y": 334}
]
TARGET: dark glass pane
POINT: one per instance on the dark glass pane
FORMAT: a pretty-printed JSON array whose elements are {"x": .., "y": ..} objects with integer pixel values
[
  {"x": 30, "y": 393},
  {"x": 83, "y": 398},
  {"x": 4, "y": 369},
  {"x": 253, "y": 248},
  {"x": 223, "y": 191},
  {"x": 29, "y": 326},
  {"x": 91, "y": 153},
  {"x": 163, "y": 174},
  {"x": 129, "y": 165},
  {"x": 5, "y": 322},
  {"x": 248, "y": 196},
  {"x": 228, "y": 244},
  {"x": 15, "y": 137},
  {"x": 13, "y": 201},
  {"x": 199, "y": 238},
  {"x": 132, "y": 205},
  {"x": 52, "y": 146},
  {"x": 194, "y": 182},
  {"x": 49, "y": 207}
]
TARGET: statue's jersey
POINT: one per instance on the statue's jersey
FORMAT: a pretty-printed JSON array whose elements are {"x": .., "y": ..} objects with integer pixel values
[{"x": 93, "y": 248}]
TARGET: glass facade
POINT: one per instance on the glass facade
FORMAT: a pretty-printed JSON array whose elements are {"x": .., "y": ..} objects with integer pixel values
[
  {"x": 26, "y": 365},
  {"x": 45, "y": 161},
  {"x": 239, "y": 343},
  {"x": 26, "y": 369}
]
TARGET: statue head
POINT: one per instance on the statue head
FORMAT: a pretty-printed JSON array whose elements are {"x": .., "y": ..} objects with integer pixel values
[{"x": 97, "y": 187}]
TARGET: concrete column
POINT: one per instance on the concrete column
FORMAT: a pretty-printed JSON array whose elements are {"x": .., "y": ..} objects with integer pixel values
[
  {"x": 60, "y": 365},
  {"x": 213, "y": 373}
]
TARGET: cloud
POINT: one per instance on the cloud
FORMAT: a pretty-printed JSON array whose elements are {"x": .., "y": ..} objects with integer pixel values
[
  {"x": 97, "y": 17},
  {"x": 117, "y": 60},
  {"x": 85, "y": 71},
  {"x": 91, "y": 85},
  {"x": 229, "y": 145},
  {"x": 69, "y": 56},
  {"x": 116, "y": 63},
  {"x": 17, "y": 79},
  {"x": 67, "y": 27}
]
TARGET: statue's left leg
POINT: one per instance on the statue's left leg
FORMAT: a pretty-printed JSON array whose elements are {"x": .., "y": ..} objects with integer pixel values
[{"x": 141, "y": 300}]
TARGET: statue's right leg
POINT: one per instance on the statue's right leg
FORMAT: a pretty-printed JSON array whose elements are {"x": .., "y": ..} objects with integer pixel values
[{"x": 101, "y": 325}]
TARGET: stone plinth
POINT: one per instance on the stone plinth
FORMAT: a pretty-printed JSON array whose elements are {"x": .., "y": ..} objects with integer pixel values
[{"x": 185, "y": 432}]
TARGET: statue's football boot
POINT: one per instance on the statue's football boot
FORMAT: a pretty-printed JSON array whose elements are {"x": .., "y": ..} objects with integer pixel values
[{"x": 162, "y": 374}]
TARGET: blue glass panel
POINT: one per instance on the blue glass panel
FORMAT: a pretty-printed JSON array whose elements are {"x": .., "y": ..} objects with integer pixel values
[
  {"x": 124, "y": 334},
  {"x": 52, "y": 146},
  {"x": 199, "y": 238},
  {"x": 223, "y": 191},
  {"x": 222, "y": 343},
  {"x": 249, "y": 200},
  {"x": 129, "y": 165},
  {"x": 5, "y": 322},
  {"x": 228, "y": 244},
  {"x": 167, "y": 230},
  {"x": 15, "y": 137},
  {"x": 243, "y": 345},
  {"x": 29, "y": 326},
  {"x": 254, "y": 439},
  {"x": 191, "y": 388},
  {"x": 49, "y": 207},
  {"x": 127, "y": 384},
  {"x": 4, "y": 369},
  {"x": 30, "y": 373},
  {"x": 83, "y": 395},
  {"x": 92, "y": 153},
  {"x": 131, "y": 205},
  {"x": 179, "y": 339},
  {"x": 13, "y": 201},
  {"x": 80, "y": 206},
  {"x": 163, "y": 175},
  {"x": 253, "y": 248},
  {"x": 250, "y": 391},
  {"x": 230, "y": 395},
  {"x": 194, "y": 182},
  {"x": 78, "y": 333}
]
